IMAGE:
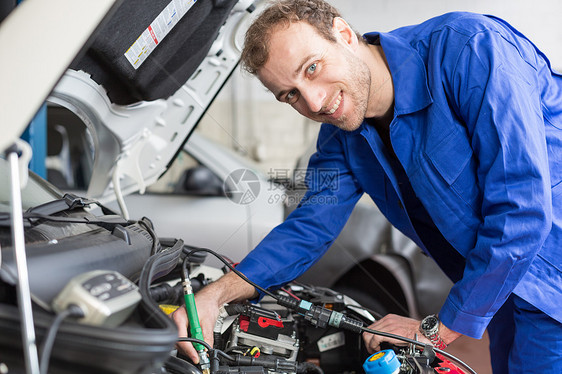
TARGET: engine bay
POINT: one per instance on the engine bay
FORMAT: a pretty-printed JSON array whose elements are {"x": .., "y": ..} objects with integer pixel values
[
  {"x": 102, "y": 293},
  {"x": 303, "y": 328}
]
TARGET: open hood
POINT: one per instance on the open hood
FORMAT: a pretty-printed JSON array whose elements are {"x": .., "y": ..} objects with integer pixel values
[
  {"x": 39, "y": 40},
  {"x": 145, "y": 80}
]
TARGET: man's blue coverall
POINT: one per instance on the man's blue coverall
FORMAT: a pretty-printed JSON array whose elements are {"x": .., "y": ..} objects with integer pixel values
[{"x": 477, "y": 130}]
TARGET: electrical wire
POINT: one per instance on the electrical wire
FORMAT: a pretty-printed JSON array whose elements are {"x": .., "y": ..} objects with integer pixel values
[
  {"x": 184, "y": 272},
  {"x": 208, "y": 347},
  {"x": 290, "y": 293},
  {"x": 118, "y": 192},
  {"x": 193, "y": 340},
  {"x": 235, "y": 348},
  {"x": 364, "y": 329},
  {"x": 269, "y": 293},
  {"x": 48, "y": 343}
]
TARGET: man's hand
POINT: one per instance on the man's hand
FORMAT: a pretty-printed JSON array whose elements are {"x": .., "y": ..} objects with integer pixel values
[
  {"x": 208, "y": 302},
  {"x": 403, "y": 326},
  {"x": 208, "y": 312}
]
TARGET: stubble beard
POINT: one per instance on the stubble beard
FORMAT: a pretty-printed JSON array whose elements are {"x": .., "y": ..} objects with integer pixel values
[{"x": 357, "y": 94}]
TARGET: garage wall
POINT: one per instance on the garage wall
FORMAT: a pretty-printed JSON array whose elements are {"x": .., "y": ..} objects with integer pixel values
[
  {"x": 247, "y": 118},
  {"x": 539, "y": 20}
]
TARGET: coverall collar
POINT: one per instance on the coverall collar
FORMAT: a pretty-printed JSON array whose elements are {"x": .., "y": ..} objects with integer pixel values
[{"x": 408, "y": 73}]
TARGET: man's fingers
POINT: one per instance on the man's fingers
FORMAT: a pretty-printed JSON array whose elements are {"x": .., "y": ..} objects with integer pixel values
[
  {"x": 373, "y": 341},
  {"x": 397, "y": 325},
  {"x": 179, "y": 317}
]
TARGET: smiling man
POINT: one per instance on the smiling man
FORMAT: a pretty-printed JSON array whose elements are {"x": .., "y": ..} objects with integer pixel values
[
  {"x": 454, "y": 128},
  {"x": 324, "y": 80}
]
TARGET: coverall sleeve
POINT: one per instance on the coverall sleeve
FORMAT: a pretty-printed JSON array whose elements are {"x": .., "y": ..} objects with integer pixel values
[
  {"x": 307, "y": 233},
  {"x": 497, "y": 93}
]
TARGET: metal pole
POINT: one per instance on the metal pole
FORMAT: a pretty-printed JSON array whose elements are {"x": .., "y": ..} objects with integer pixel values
[{"x": 23, "y": 292}]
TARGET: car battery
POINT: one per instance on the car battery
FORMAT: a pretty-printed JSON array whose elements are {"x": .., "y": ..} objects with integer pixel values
[{"x": 271, "y": 336}]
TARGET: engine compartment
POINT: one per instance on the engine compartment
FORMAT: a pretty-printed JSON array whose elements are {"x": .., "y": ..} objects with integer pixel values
[
  {"x": 274, "y": 336},
  {"x": 298, "y": 328}
]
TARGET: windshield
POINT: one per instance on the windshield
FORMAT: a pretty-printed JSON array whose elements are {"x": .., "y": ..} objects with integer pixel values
[{"x": 36, "y": 192}]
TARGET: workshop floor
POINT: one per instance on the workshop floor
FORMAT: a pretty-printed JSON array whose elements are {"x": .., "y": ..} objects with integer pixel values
[{"x": 474, "y": 352}]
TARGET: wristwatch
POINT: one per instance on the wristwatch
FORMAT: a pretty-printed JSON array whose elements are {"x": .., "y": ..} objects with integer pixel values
[{"x": 429, "y": 327}]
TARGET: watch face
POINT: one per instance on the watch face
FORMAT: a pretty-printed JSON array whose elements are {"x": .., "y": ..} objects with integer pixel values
[{"x": 429, "y": 323}]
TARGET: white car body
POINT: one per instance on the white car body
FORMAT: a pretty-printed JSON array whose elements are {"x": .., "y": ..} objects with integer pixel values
[{"x": 217, "y": 221}]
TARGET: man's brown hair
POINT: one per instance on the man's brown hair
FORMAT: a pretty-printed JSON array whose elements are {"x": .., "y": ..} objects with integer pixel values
[{"x": 318, "y": 13}]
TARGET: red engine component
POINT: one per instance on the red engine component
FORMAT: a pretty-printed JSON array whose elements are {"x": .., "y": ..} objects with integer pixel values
[{"x": 446, "y": 366}]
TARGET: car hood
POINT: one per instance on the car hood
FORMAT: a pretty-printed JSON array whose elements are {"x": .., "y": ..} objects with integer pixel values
[
  {"x": 31, "y": 63},
  {"x": 149, "y": 73}
]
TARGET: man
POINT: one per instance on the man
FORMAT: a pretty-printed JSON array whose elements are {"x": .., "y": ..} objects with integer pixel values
[{"x": 454, "y": 128}]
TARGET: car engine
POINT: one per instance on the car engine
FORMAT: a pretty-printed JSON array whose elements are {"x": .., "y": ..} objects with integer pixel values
[
  {"x": 302, "y": 328},
  {"x": 102, "y": 287}
]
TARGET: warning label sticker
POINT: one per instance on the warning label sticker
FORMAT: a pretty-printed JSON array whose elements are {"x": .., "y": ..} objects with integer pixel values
[
  {"x": 331, "y": 341},
  {"x": 156, "y": 31}
]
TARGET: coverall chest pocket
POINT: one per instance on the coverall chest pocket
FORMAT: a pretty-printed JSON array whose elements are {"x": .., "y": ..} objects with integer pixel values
[{"x": 448, "y": 164}]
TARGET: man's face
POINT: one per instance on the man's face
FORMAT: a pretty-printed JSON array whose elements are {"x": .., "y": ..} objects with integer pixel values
[{"x": 322, "y": 80}]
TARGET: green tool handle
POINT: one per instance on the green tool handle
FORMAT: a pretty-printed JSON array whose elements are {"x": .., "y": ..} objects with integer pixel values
[{"x": 194, "y": 327}]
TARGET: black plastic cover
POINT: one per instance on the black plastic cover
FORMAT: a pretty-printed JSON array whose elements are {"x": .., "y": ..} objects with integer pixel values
[
  {"x": 53, "y": 263},
  {"x": 139, "y": 346},
  {"x": 130, "y": 348},
  {"x": 171, "y": 63}
]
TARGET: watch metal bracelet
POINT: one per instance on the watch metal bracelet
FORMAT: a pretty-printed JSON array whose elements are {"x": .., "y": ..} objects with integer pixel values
[
  {"x": 437, "y": 341},
  {"x": 429, "y": 327}
]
